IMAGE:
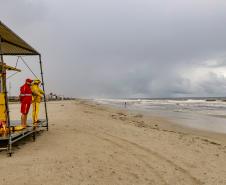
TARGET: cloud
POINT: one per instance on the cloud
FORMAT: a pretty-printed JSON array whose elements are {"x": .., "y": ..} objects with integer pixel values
[
  {"x": 22, "y": 13},
  {"x": 214, "y": 84},
  {"x": 121, "y": 48}
]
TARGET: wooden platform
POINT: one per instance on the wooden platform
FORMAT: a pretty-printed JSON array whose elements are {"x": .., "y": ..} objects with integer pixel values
[{"x": 18, "y": 135}]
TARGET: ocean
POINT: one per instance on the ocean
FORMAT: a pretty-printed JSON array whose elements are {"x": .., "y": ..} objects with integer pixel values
[{"x": 200, "y": 113}]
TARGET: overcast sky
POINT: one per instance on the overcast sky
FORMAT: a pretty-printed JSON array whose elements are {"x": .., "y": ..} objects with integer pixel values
[{"x": 125, "y": 48}]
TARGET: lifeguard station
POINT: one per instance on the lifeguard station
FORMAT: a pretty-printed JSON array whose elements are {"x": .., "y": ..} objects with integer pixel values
[{"x": 10, "y": 132}]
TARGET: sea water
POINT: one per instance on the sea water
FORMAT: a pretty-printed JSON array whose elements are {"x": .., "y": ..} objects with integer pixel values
[{"x": 200, "y": 113}]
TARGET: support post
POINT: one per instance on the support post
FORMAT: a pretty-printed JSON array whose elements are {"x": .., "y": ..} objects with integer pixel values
[
  {"x": 4, "y": 90},
  {"x": 43, "y": 86},
  {"x": 34, "y": 133}
]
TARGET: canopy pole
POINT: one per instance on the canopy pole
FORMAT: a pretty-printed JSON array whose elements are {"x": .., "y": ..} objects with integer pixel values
[
  {"x": 1, "y": 60},
  {"x": 43, "y": 86},
  {"x": 4, "y": 90}
]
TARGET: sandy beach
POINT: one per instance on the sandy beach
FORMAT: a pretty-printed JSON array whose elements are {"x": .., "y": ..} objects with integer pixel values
[{"x": 91, "y": 144}]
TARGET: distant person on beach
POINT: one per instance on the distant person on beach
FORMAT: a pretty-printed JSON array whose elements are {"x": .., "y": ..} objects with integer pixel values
[
  {"x": 25, "y": 99},
  {"x": 37, "y": 94},
  {"x": 125, "y": 104}
]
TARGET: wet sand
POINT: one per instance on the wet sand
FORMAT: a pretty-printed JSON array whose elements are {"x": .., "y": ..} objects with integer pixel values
[{"x": 91, "y": 144}]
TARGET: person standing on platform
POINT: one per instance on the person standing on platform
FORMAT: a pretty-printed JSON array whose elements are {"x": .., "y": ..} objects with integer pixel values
[
  {"x": 25, "y": 99},
  {"x": 37, "y": 94}
]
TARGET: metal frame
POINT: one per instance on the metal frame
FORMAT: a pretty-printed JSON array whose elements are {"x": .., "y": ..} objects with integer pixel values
[
  {"x": 43, "y": 87},
  {"x": 6, "y": 41},
  {"x": 11, "y": 138}
]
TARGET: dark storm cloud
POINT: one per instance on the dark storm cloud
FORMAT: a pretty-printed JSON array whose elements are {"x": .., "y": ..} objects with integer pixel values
[
  {"x": 214, "y": 84},
  {"x": 125, "y": 48}
]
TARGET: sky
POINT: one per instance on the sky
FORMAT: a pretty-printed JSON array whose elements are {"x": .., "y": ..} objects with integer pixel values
[{"x": 123, "y": 48}]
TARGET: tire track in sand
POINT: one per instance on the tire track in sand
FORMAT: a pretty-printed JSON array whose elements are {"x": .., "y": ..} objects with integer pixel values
[
  {"x": 166, "y": 170},
  {"x": 155, "y": 172},
  {"x": 158, "y": 179}
]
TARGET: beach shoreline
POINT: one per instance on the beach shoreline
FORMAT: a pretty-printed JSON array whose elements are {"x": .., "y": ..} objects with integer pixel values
[{"x": 164, "y": 123}]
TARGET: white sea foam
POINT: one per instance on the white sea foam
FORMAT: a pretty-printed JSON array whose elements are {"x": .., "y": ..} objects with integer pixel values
[{"x": 196, "y": 113}]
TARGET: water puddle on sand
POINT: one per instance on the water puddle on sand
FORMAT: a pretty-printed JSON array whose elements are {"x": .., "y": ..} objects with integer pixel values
[{"x": 211, "y": 123}]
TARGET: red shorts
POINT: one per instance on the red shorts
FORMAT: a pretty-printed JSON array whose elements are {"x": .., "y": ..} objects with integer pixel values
[{"x": 25, "y": 107}]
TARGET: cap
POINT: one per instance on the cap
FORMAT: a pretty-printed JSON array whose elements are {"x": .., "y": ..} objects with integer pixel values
[
  {"x": 37, "y": 81},
  {"x": 29, "y": 80}
]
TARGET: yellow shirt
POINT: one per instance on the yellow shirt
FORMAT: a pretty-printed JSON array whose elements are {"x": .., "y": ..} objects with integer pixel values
[{"x": 37, "y": 93}]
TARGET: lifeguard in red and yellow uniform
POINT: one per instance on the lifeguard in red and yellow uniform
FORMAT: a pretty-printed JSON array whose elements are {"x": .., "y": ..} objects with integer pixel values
[{"x": 25, "y": 99}]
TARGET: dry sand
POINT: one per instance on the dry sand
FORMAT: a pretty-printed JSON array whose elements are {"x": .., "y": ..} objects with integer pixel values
[{"x": 89, "y": 144}]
